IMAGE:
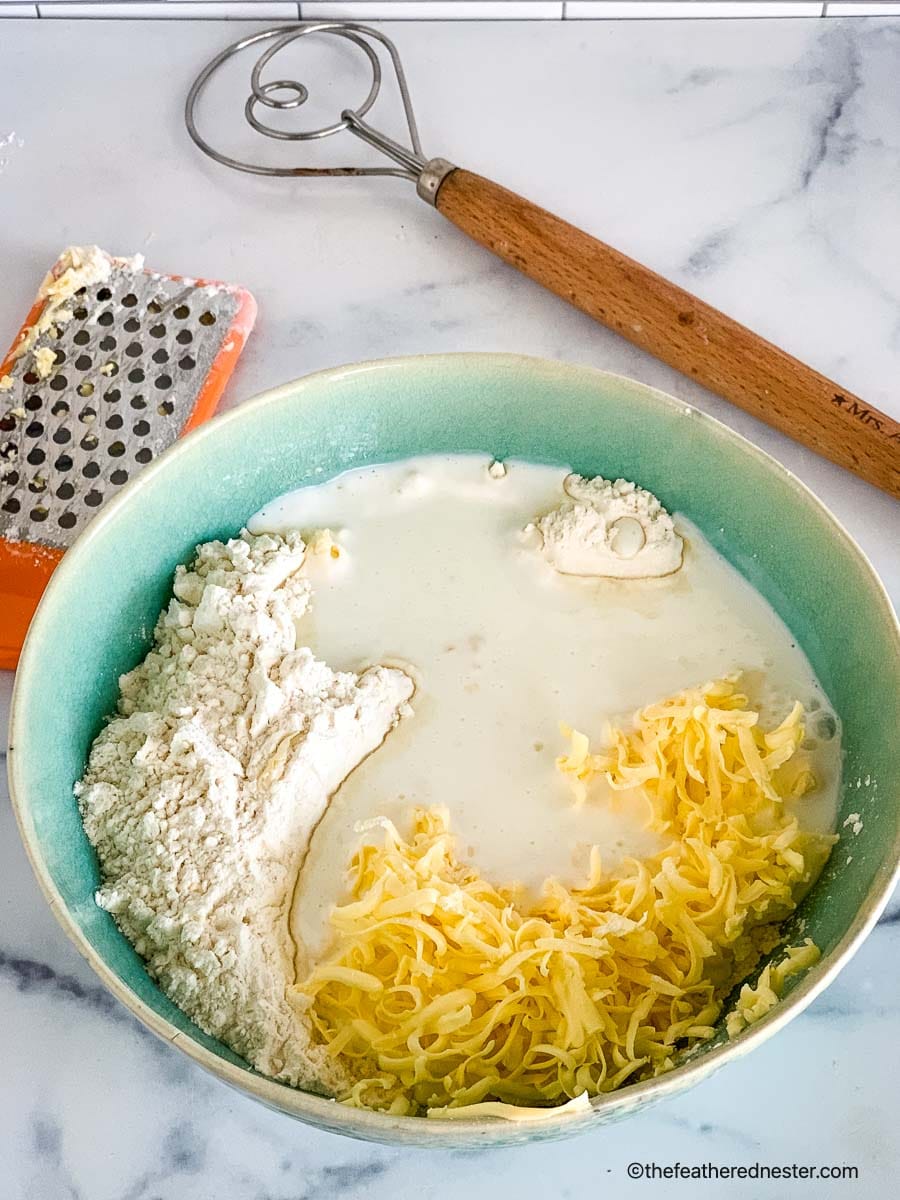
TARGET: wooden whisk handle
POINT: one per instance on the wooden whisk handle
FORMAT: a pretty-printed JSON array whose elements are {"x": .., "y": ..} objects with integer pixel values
[{"x": 676, "y": 327}]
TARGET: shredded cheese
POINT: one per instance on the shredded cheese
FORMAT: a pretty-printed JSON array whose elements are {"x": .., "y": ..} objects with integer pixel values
[
  {"x": 442, "y": 991},
  {"x": 754, "y": 1002}
]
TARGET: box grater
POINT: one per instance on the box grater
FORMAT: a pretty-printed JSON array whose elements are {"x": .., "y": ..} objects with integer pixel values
[{"x": 113, "y": 363}]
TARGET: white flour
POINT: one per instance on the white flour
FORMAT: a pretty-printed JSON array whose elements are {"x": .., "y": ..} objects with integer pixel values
[
  {"x": 617, "y": 530},
  {"x": 201, "y": 795}
]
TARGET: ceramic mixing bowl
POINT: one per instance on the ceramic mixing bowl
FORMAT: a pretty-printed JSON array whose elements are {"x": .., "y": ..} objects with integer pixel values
[{"x": 97, "y": 615}]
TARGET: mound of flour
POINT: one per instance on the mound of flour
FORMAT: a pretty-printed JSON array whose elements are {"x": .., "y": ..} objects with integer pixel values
[
  {"x": 612, "y": 529},
  {"x": 201, "y": 794}
]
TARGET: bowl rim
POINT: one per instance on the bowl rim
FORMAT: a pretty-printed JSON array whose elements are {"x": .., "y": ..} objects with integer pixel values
[{"x": 363, "y": 1123}]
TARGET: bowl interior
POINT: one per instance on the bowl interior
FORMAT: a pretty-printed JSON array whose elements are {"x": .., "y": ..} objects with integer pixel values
[{"x": 98, "y": 614}]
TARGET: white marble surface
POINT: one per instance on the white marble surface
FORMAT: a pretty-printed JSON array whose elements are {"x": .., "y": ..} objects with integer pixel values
[{"x": 756, "y": 163}]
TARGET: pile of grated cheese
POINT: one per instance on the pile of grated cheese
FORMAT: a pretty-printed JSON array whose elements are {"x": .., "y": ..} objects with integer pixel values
[
  {"x": 442, "y": 991},
  {"x": 754, "y": 1002}
]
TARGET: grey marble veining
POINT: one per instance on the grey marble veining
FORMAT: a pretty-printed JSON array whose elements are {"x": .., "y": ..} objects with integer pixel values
[{"x": 757, "y": 164}]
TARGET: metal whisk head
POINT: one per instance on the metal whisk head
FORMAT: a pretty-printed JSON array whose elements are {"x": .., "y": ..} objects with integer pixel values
[{"x": 284, "y": 95}]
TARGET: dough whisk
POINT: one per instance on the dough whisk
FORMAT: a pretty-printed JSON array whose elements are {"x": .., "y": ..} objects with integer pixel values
[{"x": 663, "y": 319}]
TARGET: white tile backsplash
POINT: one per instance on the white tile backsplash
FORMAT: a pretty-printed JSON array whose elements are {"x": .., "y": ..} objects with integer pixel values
[
  {"x": 444, "y": 10},
  {"x": 890, "y": 8},
  {"x": 262, "y": 10},
  {"x": 433, "y": 10},
  {"x": 691, "y": 9}
]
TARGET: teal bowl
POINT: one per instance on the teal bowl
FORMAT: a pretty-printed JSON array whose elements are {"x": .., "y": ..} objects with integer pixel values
[{"x": 96, "y": 618}]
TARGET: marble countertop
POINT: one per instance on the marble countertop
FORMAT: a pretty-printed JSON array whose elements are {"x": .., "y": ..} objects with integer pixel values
[{"x": 757, "y": 164}]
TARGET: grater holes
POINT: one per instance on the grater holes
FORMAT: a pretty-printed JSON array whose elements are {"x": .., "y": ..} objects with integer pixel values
[
  {"x": 35, "y": 457},
  {"x": 39, "y": 513},
  {"x": 134, "y": 350},
  {"x": 88, "y": 415},
  {"x": 8, "y": 451},
  {"x": 37, "y": 485},
  {"x": 65, "y": 491},
  {"x": 110, "y": 369},
  {"x": 33, "y": 403},
  {"x": 112, "y": 396},
  {"x": 11, "y": 505},
  {"x": 80, "y": 313},
  {"x": 105, "y": 318},
  {"x": 85, "y": 389},
  {"x": 60, "y": 408},
  {"x": 83, "y": 362},
  {"x": 119, "y": 476},
  {"x": 81, "y": 338},
  {"x": 136, "y": 376},
  {"x": 207, "y": 318},
  {"x": 104, "y": 294},
  {"x": 129, "y": 301},
  {"x": 166, "y": 408},
  {"x": 115, "y": 421},
  {"x": 160, "y": 356},
  {"x": 93, "y": 498},
  {"x": 163, "y": 382},
  {"x": 158, "y": 331},
  {"x": 65, "y": 462},
  {"x": 7, "y": 423},
  {"x": 184, "y": 337},
  {"x": 11, "y": 478},
  {"x": 31, "y": 378},
  {"x": 108, "y": 343},
  {"x": 89, "y": 442},
  {"x": 91, "y": 470},
  {"x": 59, "y": 383},
  {"x": 116, "y": 450},
  {"x": 155, "y": 307},
  {"x": 132, "y": 325},
  {"x": 138, "y": 402},
  {"x": 143, "y": 455},
  {"x": 67, "y": 520},
  {"x": 141, "y": 428},
  {"x": 61, "y": 436},
  {"x": 34, "y": 429},
  {"x": 60, "y": 357},
  {"x": 182, "y": 312},
  {"x": 187, "y": 363}
]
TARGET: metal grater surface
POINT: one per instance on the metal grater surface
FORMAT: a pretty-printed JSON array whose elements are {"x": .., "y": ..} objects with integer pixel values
[{"x": 129, "y": 366}]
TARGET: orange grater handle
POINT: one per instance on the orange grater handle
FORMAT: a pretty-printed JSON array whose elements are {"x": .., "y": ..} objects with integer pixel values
[{"x": 25, "y": 569}]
